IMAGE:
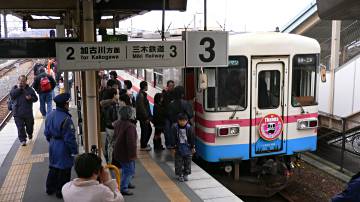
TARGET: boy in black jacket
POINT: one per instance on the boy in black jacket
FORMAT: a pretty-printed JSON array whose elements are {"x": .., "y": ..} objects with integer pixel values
[{"x": 184, "y": 138}]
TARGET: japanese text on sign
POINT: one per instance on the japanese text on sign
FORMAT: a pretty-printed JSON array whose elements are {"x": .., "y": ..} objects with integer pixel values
[{"x": 115, "y": 55}]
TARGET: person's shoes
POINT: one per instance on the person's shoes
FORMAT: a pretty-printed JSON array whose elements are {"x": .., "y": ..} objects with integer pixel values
[
  {"x": 186, "y": 178},
  {"x": 131, "y": 186},
  {"x": 147, "y": 148},
  {"x": 30, "y": 137},
  {"x": 181, "y": 179},
  {"x": 59, "y": 195},
  {"x": 23, "y": 143},
  {"x": 127, "y": 193}
]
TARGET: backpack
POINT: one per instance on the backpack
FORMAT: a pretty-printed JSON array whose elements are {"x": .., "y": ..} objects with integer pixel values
[
  {"x": 10, "y": 104},
  {"x": 45, "y": 85},
  {"x": 184, "y": 148}
]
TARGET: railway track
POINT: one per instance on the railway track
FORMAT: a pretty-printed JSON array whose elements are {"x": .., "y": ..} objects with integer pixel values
[{"x": 5, "y": 114}]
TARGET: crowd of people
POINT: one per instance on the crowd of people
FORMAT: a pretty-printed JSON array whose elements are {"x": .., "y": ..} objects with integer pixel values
[{"x": 121, "y": 110}]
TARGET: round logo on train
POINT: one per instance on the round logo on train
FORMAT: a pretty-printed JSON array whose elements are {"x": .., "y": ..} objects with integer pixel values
[{"x": 270, "y": 127}]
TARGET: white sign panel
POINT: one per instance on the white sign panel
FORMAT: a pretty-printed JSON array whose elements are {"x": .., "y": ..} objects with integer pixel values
[
  {"x": 118, "y": 55},
  {"x": 206, "y": 48}
]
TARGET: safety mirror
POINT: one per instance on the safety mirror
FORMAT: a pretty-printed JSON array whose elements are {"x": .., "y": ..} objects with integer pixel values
[{"x": 323, "y": 73}]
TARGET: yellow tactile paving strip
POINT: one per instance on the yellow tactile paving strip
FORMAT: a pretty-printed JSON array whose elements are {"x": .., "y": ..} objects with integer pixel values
[
  {"x": 165, "y": 183},
  {"x": 15, "y": 182}
]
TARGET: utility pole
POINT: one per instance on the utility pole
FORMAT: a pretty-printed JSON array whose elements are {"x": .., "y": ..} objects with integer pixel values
[
  {"x": 334, "y": 59},
  {"x": 205, "y": 21},
  {"x": 5, "y": 26},
  {"x": 163, "y": 21}
]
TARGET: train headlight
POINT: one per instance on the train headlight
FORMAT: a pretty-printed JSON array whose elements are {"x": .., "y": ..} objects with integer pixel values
[
  {"x": 307, "y": 123},
  {"x": 227, "y": 130},
  {"x": 234, "y": 130}
]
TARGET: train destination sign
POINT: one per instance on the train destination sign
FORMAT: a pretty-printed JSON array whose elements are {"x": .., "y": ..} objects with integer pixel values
[{"x": 117, "y": 55}]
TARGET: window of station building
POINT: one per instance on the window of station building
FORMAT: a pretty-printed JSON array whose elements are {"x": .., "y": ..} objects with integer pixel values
[
  {"x": 304, "y": 80},
  {"x": 159, "y": 78},
  {"x": 140, "y": 73},
  {"x": 227, "y": 86},
  {"x": 268, "y": 89},
  {"x": 149, "y": 76}
]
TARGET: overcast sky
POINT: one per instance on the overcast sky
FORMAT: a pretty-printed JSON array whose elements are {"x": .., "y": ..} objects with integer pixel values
[{"x": 237, "y": 15}]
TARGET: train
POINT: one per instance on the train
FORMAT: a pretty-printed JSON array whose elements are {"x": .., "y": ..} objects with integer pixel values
[{"x": 253, "y": 117}]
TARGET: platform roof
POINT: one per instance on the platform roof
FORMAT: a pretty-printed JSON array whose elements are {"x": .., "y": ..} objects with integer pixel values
[
  {"x": 308, "y": 23},
  {"x": 339, "y": 9},
  {"x": 121, "y": 9}
]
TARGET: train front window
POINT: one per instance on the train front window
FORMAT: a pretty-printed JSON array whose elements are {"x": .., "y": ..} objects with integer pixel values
[
  {"x": 227, "y": 86},
  {"x": 269, "y": 89},
  {"x": 304, "y": 80}
]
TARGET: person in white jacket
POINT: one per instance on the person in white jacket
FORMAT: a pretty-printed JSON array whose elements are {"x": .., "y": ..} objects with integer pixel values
[{"x": 86, "y": 188}]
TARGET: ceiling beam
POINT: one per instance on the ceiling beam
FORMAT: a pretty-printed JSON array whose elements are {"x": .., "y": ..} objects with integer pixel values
[
  {"x": 51, "y": 23},
  {"x": 111, "y": 5}
]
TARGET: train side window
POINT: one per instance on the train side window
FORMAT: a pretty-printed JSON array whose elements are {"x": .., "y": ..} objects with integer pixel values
[
  {"x": 210, "y": 91},
  {"x": 304, "y": 80}
]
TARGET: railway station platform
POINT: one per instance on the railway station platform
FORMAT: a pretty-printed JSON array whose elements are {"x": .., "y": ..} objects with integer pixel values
[{"x": 23, "y": 172}]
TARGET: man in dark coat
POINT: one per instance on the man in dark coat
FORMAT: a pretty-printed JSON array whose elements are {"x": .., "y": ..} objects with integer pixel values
[
  {"x": 60, "y": 133},
  {"x": 169, "y": 96},
  {"x": 125, "y": 148},
  {"x": 22, "y": 98},
  {"x": 143, "y": 114},
  {"x": 41, "y": 82}
]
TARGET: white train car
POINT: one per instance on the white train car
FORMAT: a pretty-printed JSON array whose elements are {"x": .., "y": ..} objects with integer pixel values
[{"x": 261, "y": 107}]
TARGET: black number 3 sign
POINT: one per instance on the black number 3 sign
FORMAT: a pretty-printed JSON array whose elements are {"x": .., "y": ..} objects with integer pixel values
[{"x": 209, "y": 44}]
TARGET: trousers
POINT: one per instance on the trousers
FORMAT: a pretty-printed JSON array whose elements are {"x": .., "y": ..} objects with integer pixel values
[
  {"x": 24, "y": 126},
  {"x": 56, "y": 179}
]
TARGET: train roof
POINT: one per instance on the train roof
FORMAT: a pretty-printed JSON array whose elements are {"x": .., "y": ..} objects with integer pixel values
[{"x": 271, "y": 43}]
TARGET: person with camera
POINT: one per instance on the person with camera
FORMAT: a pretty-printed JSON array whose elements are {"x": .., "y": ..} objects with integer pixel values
[{"x": 93, "y": 184}]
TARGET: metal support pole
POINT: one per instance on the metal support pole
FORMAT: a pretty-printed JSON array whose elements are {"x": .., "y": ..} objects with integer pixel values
[
  {"x": 334, "y": 60},
  {"x": 163, "y": 21},
  {"x": 5, "y": 26},
  {"x": 114, "y": 24},
  {"x": 60, "y": 33},
  {"x": 90, "y": 77},
  {"x": 237, "y": 171},
  {"x": 343, "y": 145},
  {"x": 205, "y": 10},
  {"x": 0, "y": 25}
]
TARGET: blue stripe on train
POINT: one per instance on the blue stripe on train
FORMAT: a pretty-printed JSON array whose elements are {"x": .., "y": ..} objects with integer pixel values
[{"x": 241, "y": 151}]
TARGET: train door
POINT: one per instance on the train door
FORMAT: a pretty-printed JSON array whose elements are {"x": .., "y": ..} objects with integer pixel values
[{"x": 268, "y": 131}]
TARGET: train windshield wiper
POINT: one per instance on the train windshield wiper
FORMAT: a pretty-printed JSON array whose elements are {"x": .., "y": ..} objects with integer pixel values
[{"x": 237, "y": 108}]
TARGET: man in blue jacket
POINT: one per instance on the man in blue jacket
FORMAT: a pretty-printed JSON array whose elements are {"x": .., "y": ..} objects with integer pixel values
[
  {"x": 22, "y": 98},
  {"x": 60, "y": 133}
]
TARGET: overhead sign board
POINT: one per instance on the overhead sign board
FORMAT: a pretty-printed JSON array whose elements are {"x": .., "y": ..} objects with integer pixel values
[
  {"x": 117, "y": 55},
  {"x": 30, "y": 47},
  {"x": 206, "y": 48}
]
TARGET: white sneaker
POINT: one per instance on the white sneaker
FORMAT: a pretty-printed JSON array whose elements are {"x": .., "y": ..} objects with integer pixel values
[{"x": 147, "y": 148}]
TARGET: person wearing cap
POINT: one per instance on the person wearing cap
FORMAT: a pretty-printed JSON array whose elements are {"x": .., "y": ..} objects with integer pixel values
[{"x": 60, "y": 133}]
